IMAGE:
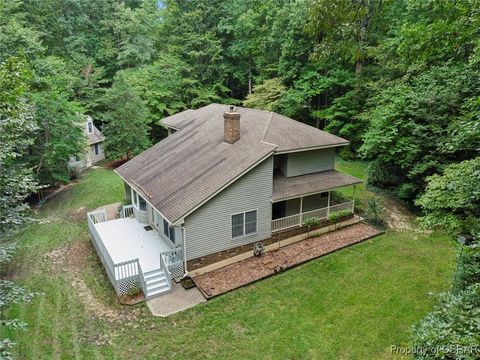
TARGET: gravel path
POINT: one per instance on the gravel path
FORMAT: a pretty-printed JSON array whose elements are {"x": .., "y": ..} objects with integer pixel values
[{"x": 232, "y": 276}]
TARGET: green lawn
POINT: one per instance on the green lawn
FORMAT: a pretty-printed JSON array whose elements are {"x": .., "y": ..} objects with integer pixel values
[{"x": 352, "y": 304}]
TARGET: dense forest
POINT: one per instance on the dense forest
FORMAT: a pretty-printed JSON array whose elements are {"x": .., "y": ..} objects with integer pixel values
[{"x": 400, "y": 79}]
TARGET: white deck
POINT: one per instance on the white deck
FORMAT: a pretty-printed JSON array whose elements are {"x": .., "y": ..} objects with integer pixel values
[{"x": 126, "y": 239}]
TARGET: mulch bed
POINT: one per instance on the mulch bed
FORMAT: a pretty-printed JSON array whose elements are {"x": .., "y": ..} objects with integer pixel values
[
  {"x": 131, "y": 300},
  {"x": 244, "y": 272},
  {"x": 114, "y": 164}
]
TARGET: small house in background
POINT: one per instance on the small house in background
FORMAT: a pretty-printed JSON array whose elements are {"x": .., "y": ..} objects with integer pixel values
[{"x": 94, "y": 151}]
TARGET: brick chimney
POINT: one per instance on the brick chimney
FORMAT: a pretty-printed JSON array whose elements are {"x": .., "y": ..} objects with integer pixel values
[{"x": 231, "y": 126}]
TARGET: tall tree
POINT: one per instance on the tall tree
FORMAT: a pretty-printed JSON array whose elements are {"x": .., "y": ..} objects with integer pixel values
[
  {"x": 17, "y": 134},
  {"x": 266, "y": 96},
  {"x": 16, "y": 37},
  {"x": 126, "y": 129},
  {"x": 452, "y": 199},
  {"x": 430, "y": 90},
  {"x": 343, "y": 28},
  {"x": 17, "y": 181},
  {"x": 59, "y": 119}
]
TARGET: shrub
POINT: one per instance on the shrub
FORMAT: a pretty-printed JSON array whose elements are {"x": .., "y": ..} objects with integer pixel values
[
  {"x": 310, "y": 223},
  {"x": 453, "y": 322},
  {"x": 375, "y": 209},
  {"x": 468, "y": 271},
  {"x": 133, "y": 291},
  {"x": 334, "y": 216}
]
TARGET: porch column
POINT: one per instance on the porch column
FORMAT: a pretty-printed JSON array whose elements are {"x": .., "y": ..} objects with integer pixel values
[
  {"x": 353, "y": 196},
  {"x": 328, "y": 205},
  {"x": 301, "y": 211},
  {"x": 184, "y": 236}
]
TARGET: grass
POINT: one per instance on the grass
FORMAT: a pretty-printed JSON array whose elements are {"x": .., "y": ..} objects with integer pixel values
[
  {"x": 352, "y": 304},
  {"x": 358, "y": 169}
]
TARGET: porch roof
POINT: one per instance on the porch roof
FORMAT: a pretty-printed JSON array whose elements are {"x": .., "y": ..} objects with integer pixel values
[{"x": 291, "y": 187}]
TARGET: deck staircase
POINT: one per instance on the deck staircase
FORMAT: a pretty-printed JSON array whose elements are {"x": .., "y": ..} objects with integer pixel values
[{"x": 156, "y": 283}]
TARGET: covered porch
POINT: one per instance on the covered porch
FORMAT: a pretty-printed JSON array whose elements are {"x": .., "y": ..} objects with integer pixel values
[
  {"x": 133, "y": 253},
  {"x": 297, "y": 198}
]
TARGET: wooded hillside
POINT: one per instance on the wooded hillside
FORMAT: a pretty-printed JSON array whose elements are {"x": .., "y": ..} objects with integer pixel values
[{"x": 399, "y": 79}]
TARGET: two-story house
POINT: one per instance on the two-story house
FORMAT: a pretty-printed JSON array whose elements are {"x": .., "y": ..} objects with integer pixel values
[
  {"x": 94, "y": 150},
  {"x": 223, "y": 180}
]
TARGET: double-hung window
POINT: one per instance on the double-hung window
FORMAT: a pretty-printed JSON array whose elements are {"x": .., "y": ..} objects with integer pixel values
[
  {"x": 244, "y": 224},
  {"x": 169, "y": 231}
]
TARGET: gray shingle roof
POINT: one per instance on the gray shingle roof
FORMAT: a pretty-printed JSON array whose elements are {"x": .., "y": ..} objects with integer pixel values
[
  {"x": 182, "y": 171},
  {"x": 95, "y": 137},
  {"x": 290, "y": 187}
]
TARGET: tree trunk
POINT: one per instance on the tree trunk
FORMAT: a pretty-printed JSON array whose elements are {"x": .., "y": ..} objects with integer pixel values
[{"x": 358, "y": 67}]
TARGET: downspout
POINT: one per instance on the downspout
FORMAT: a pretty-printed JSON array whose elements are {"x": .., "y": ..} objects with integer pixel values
[{"x": 184, "y": 233}]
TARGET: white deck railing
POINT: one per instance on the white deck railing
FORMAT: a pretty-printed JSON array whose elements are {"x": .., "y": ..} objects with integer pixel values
[
  {"x": 297, "y": 219},
  {"x": 92, "y": 219},
  {"x": 127, "y": 211},
  {"x": 129, "y": 273},
  {"x": 122, "y": 275}
]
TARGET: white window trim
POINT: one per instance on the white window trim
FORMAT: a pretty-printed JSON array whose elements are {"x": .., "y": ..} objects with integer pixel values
[
  {"x": 163, "y": 232},
  {"x": 135, "y": 196},
  {"x": 244, "y": 235}
]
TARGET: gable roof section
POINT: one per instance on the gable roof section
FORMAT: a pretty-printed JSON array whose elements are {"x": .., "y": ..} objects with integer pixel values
[
  {"x": 94, "y": 137},
  {"x": 286, "y": 188},
  {"x": 291, "y": 135},
  {"x": 183, "y": 171}
]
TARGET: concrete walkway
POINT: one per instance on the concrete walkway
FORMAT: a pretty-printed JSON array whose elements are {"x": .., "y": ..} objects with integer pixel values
[{"x": 175, "y": 301}]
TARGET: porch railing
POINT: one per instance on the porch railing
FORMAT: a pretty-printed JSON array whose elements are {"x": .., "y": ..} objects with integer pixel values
[
  {"x": 127, "y": 211},
  {"x": 297, "y": 219},
  {"x": 286, "y": 222}
]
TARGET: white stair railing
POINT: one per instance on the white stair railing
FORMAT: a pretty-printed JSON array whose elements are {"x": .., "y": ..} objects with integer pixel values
[
  {"x": 174, "y": 261},
  {"x": 164, "y": 267}
]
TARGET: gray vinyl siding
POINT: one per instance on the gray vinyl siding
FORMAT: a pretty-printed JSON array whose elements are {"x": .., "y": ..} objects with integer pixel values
[
  {"x": 307, "y": 162},
  {"x": 159, "y": 228},
  {"x": 208, "y": 229}
]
